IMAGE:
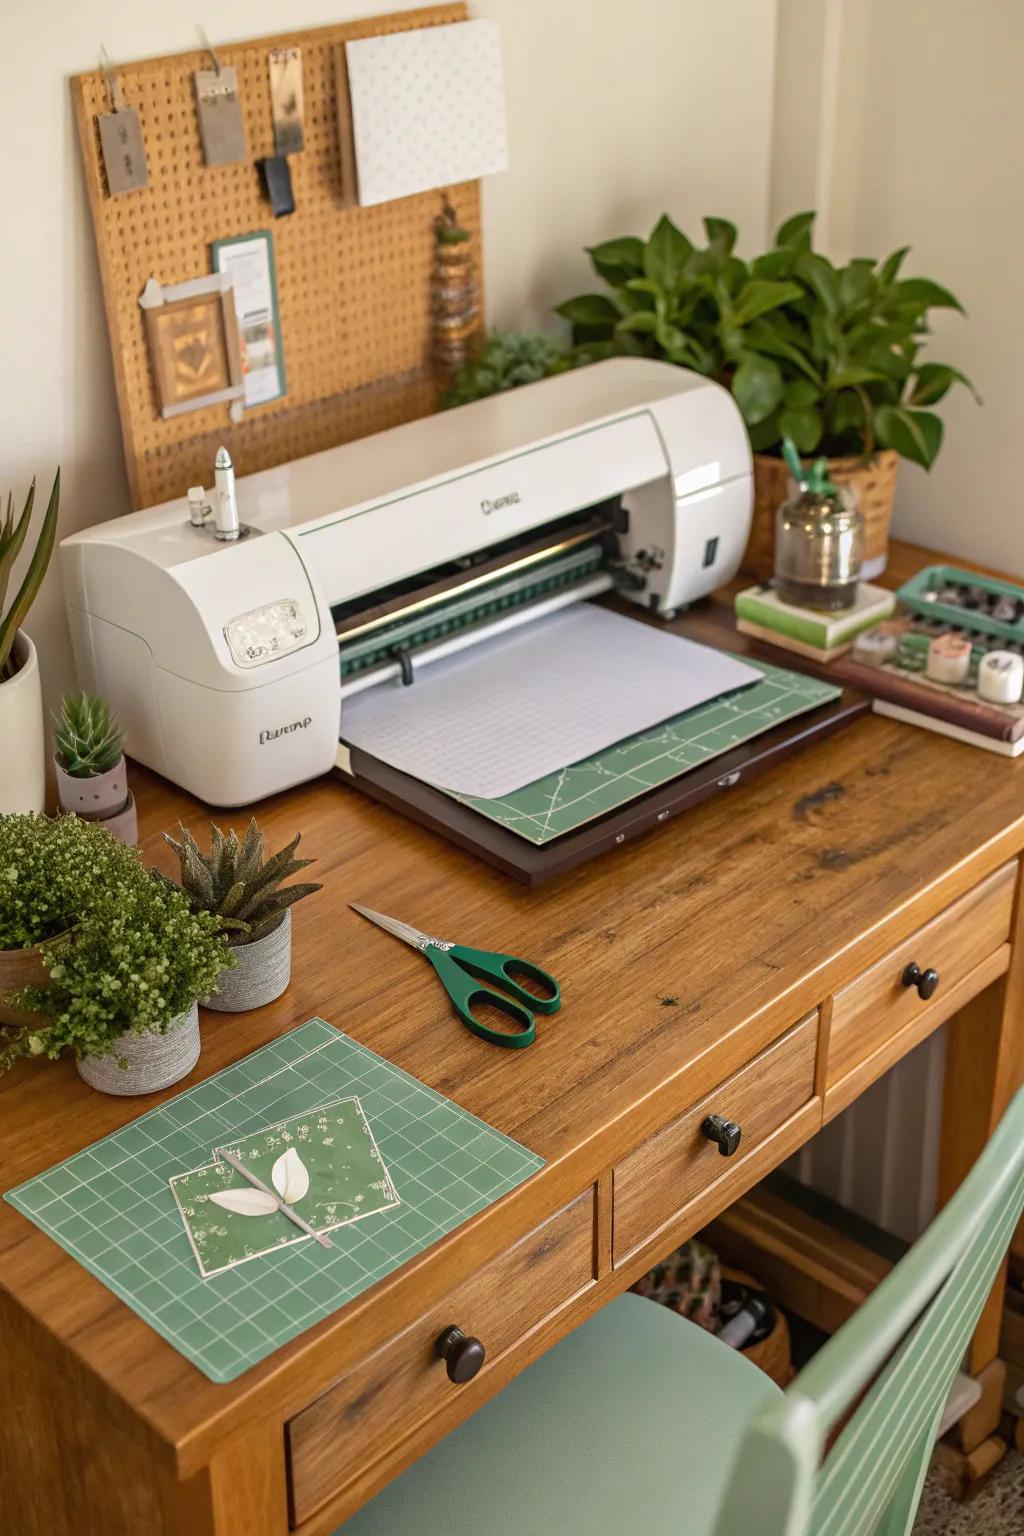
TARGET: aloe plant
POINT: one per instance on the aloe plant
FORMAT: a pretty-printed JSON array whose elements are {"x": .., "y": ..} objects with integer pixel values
[
  {"x": 88, "y": 739},
  {"x": 235, "y": 882},
  {"x": 12, "y": 538}
]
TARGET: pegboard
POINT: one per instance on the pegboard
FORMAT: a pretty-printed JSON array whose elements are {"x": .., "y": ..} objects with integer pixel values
[{"x": 353, "y": 283}]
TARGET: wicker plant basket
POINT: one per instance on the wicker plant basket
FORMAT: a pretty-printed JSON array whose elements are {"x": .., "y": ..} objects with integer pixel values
[
  {"x": 20, "y": 968},
  {"x": 263, "y": 971},
  {"x": 874, "y": 483}
]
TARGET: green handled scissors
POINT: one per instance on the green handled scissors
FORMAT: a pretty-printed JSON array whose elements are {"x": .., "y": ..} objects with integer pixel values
[{"x": 456, "y": 966}]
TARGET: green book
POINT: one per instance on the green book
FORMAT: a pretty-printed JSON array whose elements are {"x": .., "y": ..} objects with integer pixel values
[{"x": 761, "y": 606}]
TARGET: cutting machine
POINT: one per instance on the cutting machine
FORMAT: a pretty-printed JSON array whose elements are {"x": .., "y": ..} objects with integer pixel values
[{"x": 227, "y": 637}]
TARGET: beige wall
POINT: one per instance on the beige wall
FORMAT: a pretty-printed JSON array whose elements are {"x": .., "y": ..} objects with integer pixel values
[
  {"x": 610, "y": 114},
  {"x": 917, "y": 118}
]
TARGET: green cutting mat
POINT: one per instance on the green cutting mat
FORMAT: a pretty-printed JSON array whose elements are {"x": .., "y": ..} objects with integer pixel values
[
  {"x": 563, "y": 801},
  {"x": 112, "y": 1208}
]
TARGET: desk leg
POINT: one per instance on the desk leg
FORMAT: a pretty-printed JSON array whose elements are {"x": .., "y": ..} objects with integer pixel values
[
  {"x": 242, "y": 1492},
  {"x": 984, "y": 1067}
]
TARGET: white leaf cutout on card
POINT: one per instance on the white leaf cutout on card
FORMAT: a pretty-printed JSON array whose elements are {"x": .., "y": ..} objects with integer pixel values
[
  {"x": 291, "y": 1177},
  {"x": 245, "y": 1202}
]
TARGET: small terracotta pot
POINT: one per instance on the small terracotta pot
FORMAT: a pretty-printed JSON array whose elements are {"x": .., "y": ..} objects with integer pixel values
[
  {"x": 20, "y": 968},
  {"x": 103, "y": 797},
  {"x": 152, "y": 1061}
]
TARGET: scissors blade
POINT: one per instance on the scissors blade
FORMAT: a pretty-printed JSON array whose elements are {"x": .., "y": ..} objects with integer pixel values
[{"x": 398, "y": 930}]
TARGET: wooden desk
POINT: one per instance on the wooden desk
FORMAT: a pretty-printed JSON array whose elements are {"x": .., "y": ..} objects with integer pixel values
[{"x": 745, "y": 958}]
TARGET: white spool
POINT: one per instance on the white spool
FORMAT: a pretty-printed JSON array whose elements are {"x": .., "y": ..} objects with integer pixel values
[
  {"x": 1001, "y": 677},
  {"x": 877, "y": 645}
]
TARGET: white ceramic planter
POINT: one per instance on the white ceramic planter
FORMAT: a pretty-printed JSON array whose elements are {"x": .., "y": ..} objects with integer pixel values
[
  {"x": 105, "y": 797},
  {"x": 23, "y": 764},
  {"x": 264, "y": 970},
  {"x": 153, "y": 1061}
]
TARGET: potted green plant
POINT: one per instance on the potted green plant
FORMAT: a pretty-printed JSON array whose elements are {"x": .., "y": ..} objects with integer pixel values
[
  {"x": 832, "y": 357},
  {"x": 505, "y": 360},
  {"x": 23, "y": 781},
  {"x": 92, "y": 777},
  {"x": 125, "y": 962},
  {"x": 246, "y": 893}
]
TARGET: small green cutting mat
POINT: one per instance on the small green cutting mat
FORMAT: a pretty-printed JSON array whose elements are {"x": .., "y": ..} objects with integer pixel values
[
  {"x": 112, "y": 1209},
  {"x": 563, "y": 801}
]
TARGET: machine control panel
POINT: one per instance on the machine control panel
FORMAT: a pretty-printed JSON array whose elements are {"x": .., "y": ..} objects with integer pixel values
[{"x": 264, "y": 634}]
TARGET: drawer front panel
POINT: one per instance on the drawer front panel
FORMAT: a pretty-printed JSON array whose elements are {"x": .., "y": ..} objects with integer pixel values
[
  {"x": 403, "y": 1382},
  {"x": 875, "y": 1008},
  {"x": 656, "y": 1182}
]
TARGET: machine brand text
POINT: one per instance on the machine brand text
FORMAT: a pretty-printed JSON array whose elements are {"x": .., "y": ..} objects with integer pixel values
[
  {"x": 285, "y": 730},
  {"x": 510, "y": 500}
]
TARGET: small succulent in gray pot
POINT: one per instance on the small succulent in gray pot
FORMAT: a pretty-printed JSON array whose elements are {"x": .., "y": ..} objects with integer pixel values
[
  {"x": 246, "y": 891},
  {"x": 92, "y": 776}
]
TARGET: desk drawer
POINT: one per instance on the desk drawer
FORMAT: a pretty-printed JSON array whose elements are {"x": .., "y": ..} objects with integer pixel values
[
  {"x": 654, "y": 1184},
  {"x": 403, "y": 1382},
  {"x": 871, "y": 1014}
]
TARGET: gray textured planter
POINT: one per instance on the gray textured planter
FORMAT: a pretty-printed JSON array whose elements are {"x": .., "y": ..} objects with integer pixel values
[
  {"x": 264, "y": 970},
  {"x": 154, "y": 1061}
]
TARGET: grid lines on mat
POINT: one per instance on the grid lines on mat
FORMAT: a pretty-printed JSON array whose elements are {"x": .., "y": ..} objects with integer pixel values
[
  {"x": 569, "y": 798},
  {"x": 111, "y": 1208}
]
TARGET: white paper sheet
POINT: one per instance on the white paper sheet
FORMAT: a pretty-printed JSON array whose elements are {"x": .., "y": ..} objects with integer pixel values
[
  {"x": 510, "y": 710},
  {"x": 428, "y": 108}
]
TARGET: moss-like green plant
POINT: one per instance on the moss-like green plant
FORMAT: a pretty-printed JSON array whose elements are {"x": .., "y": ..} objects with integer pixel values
[
  {"x": 51, "y": 868},
  {"x": 12, "y": 537},
  {"x": 126, "y": 954},
  {"x": 506, "y": 360},
  {"x": 234, "y": 881},
  {"x": 88, "y": 739}
]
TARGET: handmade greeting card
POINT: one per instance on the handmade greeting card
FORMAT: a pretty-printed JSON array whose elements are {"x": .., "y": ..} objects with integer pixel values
[{"x": 325, "y": 1164}]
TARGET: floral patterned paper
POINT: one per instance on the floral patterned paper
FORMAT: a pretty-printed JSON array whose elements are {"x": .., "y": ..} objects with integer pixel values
[{"x": 333, "y": 1146}]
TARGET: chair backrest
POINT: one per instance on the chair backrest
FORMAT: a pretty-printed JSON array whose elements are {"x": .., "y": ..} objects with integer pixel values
[{"x": 895, "y": 1360}]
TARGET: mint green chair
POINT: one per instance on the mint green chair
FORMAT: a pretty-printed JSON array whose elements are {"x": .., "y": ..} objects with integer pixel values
[{"x": 641, "y": 1423}]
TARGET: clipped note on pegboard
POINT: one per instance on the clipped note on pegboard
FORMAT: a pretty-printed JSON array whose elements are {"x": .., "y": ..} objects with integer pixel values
[{"x": 428, "y": 109}]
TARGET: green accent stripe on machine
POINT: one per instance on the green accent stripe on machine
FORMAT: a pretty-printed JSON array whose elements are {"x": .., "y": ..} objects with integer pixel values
[{"x": 484, "y": 603}]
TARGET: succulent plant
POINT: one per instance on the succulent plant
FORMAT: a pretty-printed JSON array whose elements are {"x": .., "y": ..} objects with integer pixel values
[
  {"x": 234, "y": 881},
  {"x": 12, "y": 537},
  {"x": 88, "y": 739}
]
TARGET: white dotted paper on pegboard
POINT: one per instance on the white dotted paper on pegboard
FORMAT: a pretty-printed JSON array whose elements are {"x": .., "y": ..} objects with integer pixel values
[{"x": 428, "y": 109}]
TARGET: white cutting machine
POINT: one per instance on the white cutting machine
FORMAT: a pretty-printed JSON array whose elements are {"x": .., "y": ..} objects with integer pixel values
[{"x": 226, "y": 641}]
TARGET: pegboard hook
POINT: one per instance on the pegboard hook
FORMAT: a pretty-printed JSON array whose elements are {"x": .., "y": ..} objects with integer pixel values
[
  {"x": 113, "y": 83},
  {"x": 208, "y": 46}
]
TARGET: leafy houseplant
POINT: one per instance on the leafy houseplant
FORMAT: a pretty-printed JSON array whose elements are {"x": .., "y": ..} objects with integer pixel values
[
  {"x": 92, "y": 779},
  {"x": 246, "y": 893},
  {"x": 21, "y": 705},
  {"x": 828, "y": 356},
  {"x": 48, "y": 871},
  {"x": 506, "y": 360},
  {"x": 126, "y": 960}
]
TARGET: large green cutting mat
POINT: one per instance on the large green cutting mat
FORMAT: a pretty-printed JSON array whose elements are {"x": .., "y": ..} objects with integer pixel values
[
  {"x": 112, "y": 1209},
  {"x": 563, "y": 801}
]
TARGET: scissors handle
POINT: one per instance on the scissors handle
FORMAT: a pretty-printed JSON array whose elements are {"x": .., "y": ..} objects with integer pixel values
[
  {"x": 465, "y": 993},
  {"x": 504, "y": 970}
]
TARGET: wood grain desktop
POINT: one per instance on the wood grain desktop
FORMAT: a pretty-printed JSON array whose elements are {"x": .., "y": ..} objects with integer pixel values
[{"x": 768, "y": 925}]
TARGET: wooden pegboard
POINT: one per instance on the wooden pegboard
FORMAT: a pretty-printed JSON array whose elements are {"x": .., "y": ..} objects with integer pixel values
[{"x": 353, "y": 283}]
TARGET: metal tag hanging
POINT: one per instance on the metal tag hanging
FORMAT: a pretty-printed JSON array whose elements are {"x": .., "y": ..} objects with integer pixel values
[
  {"x": 285, "y": 66},
  {"x": 220, "y": 111},
  {"x": 124, "y": 154}
]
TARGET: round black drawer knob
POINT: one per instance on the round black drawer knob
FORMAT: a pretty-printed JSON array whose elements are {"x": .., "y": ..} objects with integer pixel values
[
  {"x": 924, "y": 981},
  {"x": 724, "y": 1133},
  {"x": 462, "y": 1356}
]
